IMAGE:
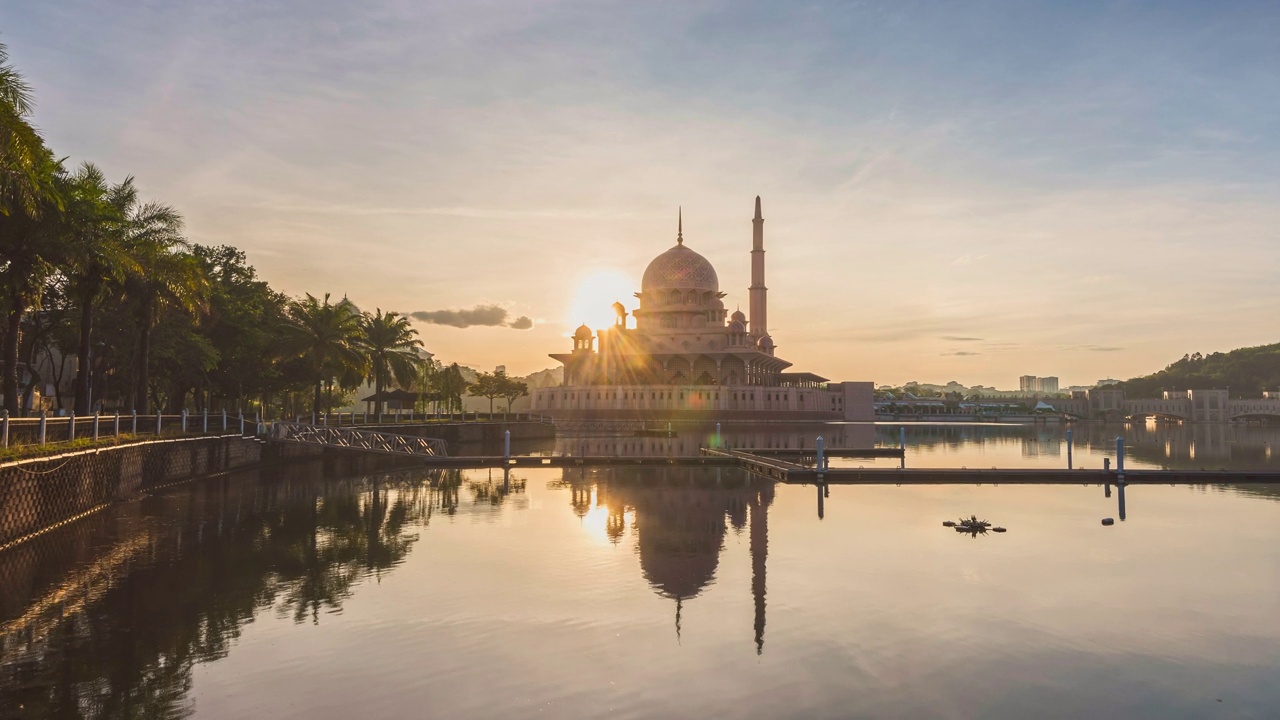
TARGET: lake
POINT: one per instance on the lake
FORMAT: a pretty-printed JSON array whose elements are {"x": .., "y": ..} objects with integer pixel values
[{"x": 680, "y": 592}]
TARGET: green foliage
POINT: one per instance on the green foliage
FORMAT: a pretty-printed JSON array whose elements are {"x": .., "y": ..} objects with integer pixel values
[{"x": 1246, "y": 372}]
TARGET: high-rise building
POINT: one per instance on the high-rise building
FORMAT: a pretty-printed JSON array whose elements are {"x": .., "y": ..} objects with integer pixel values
[{"x": 1033, "y": 384}]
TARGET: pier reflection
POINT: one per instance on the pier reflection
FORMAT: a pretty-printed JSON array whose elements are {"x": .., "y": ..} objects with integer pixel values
[{"x": 680, "y": 517}]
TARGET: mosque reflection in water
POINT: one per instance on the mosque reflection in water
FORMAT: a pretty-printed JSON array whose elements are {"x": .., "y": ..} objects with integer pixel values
[
  {"x": 680, "y": 517},
  {"x": 200, "y": 562}
]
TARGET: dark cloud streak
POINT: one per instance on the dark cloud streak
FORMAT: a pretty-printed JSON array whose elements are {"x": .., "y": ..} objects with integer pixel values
[{"x": 478, "y": 316}]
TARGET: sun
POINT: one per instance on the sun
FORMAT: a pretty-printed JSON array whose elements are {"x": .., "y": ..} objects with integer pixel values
[{"x": 593, "y": 300}]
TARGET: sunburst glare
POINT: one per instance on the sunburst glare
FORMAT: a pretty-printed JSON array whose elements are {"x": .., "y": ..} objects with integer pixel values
[{"x": 592, "y": 302}]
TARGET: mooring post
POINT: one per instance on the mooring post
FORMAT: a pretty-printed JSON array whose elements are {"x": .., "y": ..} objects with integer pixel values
[
  {"x": 4, "y": 429},
  {"x": 224, "y": 420},
  {"x": 115, "y": 428},
  {"x": 820, "y": 459},
  {"x": 95, "y": 424},
  {"x": 1120, "y": 500},
  {"x": 506, "y": 447},
  {"x": 44, "y": 419},
  {"x": 133, "y": 429},
  {"x": 205, "y": 429},
  {"x": 719, "y": 443},
  {"x": 242, "y": 423},
  {"x": 1120, "y": 459},
  {"x": 159, "y": 422},
  {"x": 1069, "y": 438},
  {"x": 821, "y": 504},
  {"x": 184, "y": 421},
  {"x": 313, "y": 418},
  {"x": 71, "y": 427}
]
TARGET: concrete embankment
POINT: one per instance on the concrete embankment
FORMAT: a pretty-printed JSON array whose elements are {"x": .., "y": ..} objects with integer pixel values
[{"x": 42, "y": 493}]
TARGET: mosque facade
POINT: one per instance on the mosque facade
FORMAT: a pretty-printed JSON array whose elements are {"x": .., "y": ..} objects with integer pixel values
[{"x": 683, "y": 355}]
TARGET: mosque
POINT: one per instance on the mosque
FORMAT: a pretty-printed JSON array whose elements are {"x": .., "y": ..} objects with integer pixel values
[{"x": 687, "y": 358}]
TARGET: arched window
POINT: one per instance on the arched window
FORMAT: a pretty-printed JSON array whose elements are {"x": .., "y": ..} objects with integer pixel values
[
  {"x": 691, "y": 298},
  {"x": 675, "y": 297},
  {"x": 668, "y": 321}
]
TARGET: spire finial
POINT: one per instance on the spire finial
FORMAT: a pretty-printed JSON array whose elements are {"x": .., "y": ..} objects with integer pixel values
[
  {"x": 680, "y": 226},
  {"x": 758, "y": 216}
]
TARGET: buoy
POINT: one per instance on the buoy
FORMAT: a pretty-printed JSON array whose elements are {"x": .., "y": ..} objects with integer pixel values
[
  {"x": 1108, "y": 521},
  {"x": 998, "y": 529},
  {"x": 948, "y": 523}
]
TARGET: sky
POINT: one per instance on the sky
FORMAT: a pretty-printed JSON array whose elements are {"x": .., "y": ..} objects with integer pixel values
[{"x": 952, "y": 191}]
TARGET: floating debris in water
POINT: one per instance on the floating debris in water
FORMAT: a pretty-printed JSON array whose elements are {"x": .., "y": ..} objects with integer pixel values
[
  {"x": 971, "y": 525},
  {"x": 998, "y": 529},
  {"x": 1108, "y": 521},
  {"x": 948, "y": 523}
]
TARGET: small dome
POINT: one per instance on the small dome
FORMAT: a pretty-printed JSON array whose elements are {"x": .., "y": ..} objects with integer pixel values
[
  {"x": 737, "y": 326},
  {"x": 583, "y": 332},
  {"x": 738, "y": 316},
  {"x": 765, "y": 342},
  {"x": 619, "y": 308},
  {"x": 680, "y": 268}
]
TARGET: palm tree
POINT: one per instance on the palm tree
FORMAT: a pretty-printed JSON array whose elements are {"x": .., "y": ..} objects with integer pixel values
[
  {"x": 28, "y": 199},
  {"x": 164, "y": 275},
  {"x": 389, "y": 343},
  {"x": 327, "y": 336},
  {"x": 94, "y": 232}
]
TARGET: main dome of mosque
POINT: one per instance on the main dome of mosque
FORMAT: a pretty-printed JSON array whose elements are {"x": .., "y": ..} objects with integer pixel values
[{"x": 680, "y": 268}]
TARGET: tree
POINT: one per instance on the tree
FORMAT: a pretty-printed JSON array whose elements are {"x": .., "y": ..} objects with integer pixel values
[
  {"x": 164, "y": 276},
  {"x": 389, "y": 344},
  {"x": 513, "y": 389},
  {"x": 28, "y": 199},
  {"x": 450, "y": 384},
  {"x": 488, "y": 385},
  {"x": 244, "y": 314},
  {"x": 327, "y": 336}
]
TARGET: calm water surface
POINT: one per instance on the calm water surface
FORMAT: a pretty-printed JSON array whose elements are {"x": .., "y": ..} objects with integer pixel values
[{"x": 644, "y": 593}]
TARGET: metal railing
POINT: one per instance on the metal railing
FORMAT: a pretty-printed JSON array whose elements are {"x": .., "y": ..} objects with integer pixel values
[
  {"x": 358, "y": 439},
  {"x": 53, "y": 430}
]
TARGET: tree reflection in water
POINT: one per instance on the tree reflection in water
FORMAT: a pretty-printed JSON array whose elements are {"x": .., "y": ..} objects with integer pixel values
[{"x": 119, "y": 633}]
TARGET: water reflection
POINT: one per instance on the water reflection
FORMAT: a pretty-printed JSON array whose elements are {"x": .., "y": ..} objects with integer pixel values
[
  {"x": 143, "y": 595},
  {"x": 679, "y": 517}
]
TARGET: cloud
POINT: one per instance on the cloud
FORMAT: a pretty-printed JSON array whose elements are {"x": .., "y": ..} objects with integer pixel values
[
  {"x": 960, "y": 353},
  {"x": 480, "y": 315},
  {"x": 954, "y": 338}
]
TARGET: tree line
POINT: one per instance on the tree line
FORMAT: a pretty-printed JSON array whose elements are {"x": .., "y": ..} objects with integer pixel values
[
  {"x": 92, "y": 271},
  {"x": 1246, "y": 372}
]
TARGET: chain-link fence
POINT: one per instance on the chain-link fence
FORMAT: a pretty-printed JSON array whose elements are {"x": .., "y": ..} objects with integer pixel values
[{"x": 39, "y": 494}]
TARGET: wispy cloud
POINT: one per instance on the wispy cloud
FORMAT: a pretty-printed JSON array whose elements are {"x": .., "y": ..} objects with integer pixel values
[
  {"x": 956, "y": 338},
  {"x": 959, "y": 353}
]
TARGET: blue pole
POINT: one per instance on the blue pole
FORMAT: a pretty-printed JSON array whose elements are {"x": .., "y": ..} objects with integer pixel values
[
  {"x": 718, "y": 442},
  {"x": 506, "y": 446},
  {"x": 821, "y": 464},
  {"x": 1069, "y": 438}
]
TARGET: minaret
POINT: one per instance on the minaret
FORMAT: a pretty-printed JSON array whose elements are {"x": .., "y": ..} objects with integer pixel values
[{"x": 759, "y": 323}]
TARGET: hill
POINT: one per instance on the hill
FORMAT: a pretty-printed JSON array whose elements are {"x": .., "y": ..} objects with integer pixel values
[{"x": 1245, "y": 371}]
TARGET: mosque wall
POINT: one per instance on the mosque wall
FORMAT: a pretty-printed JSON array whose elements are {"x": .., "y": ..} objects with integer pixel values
[{"x": 840, "y": 401}]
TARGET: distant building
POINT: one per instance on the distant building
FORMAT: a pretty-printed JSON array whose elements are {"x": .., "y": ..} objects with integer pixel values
[
  {"x": 1033, "y": 384},
  {"x": 1105, "y": 383}
]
